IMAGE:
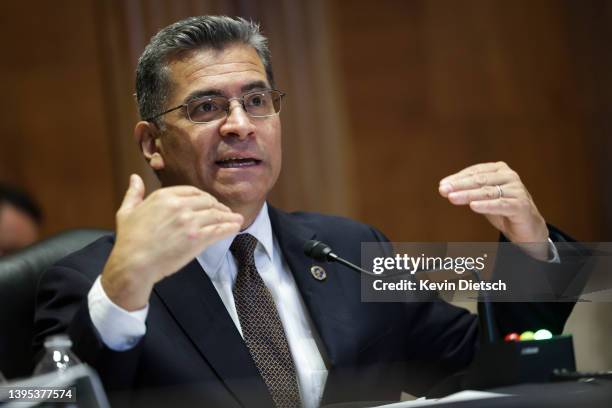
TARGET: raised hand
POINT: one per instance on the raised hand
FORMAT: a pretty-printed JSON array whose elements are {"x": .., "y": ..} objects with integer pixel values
[
  {"x": 496, "y": 191},
  {"x": 159, "y": 235}
]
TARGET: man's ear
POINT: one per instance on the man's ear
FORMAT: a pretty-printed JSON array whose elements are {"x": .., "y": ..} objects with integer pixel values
[{"x": 147, "y": 135}]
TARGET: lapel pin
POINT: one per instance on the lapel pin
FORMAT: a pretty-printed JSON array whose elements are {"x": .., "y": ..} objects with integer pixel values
[{"x": 318, "y": 272}]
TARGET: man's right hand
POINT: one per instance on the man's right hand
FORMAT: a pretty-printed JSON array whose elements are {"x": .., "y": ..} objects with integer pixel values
[{"x": 159, "y": 235}]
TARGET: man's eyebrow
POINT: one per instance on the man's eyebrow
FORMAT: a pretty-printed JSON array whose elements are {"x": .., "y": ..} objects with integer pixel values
[
  {"x": 201, "y": 93},
  {"x": 255, "y": 86}
]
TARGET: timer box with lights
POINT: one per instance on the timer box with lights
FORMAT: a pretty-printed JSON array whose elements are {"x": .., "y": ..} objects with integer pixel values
[{"x": 513, "y": 362}]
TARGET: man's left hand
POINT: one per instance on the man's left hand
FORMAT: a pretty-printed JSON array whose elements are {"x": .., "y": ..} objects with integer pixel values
[{"x": 497, "y": 192}]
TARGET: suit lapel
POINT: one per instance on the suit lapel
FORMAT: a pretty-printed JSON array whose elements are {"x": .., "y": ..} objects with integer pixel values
[
  {"x": 195, "y": 304},
  {"x": 323, "y": 299}
]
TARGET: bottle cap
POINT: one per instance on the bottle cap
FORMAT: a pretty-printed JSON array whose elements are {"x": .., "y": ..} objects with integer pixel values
[{"x": 57, "y": 341}]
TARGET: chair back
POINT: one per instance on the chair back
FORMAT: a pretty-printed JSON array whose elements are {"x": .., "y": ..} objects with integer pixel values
[{"x": 19, "y": 275}]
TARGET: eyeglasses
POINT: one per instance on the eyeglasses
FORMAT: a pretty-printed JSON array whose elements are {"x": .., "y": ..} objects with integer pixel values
[{"x": 257, "y": 104}]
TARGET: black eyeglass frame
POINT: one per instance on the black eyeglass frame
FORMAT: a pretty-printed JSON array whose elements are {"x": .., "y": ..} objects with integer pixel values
[{"x": 227, "y": 111}]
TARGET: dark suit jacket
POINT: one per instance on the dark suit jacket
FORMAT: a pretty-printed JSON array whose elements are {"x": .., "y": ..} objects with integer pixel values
[{"x": 192, "y": 348}]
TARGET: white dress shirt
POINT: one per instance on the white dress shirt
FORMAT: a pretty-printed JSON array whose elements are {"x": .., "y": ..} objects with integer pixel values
[{"x": 121, "y": 330}]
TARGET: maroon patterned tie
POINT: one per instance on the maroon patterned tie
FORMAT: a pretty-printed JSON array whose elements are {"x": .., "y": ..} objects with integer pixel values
[{"x": 261, "y": 326}]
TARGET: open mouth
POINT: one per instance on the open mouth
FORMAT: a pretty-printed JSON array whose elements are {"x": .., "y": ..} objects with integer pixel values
[{"x": 235, "y": 162}]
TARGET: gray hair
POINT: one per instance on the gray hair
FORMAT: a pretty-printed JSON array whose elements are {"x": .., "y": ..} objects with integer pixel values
[{"x": 153, "y": 83}]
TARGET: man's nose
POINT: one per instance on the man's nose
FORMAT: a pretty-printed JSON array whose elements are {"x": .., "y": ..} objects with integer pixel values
[{"x": 238, "y": 123}]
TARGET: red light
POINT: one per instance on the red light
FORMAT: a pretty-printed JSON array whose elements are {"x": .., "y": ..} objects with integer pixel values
[{"x": 512, "y": 337}]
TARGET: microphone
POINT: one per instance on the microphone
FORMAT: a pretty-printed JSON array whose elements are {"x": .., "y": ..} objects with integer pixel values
[{"x": 320, "y": 251}]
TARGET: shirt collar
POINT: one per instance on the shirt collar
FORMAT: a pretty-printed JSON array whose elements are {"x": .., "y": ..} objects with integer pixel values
[{"x": 212, "y": 257}]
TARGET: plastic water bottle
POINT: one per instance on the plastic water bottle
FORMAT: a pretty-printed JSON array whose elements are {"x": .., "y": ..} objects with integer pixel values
[{"x": 58, "y": 355}]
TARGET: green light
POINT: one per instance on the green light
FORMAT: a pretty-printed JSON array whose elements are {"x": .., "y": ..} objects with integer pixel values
[
  {"x": 528, "y": 335},
  {"x": 542, "y": 334}
]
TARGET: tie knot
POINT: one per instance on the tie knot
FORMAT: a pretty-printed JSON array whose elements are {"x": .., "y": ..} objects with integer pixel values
[{"x": 243, "y": 249}]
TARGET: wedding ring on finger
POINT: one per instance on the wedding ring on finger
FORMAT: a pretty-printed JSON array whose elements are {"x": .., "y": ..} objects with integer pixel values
[{"x": 499, "y": 191}]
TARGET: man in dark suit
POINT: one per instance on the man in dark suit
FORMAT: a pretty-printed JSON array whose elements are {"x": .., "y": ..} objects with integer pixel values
[{"x": 206, "y": 287}]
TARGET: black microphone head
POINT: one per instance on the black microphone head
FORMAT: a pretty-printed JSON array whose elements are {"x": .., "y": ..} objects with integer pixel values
[{"x": 317, "y": 250}]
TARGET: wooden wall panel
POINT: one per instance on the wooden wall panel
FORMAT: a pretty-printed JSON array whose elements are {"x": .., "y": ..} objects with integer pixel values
[
  {"x": 444, "y": 83},
  {"x": 53, "y": 132},
  {"x": 434, "y": 86}
]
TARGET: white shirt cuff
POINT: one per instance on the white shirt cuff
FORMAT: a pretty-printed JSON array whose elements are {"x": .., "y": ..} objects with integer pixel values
[
  {"x": 118, "y": 328},
  {"x": 555, "y": 253}
]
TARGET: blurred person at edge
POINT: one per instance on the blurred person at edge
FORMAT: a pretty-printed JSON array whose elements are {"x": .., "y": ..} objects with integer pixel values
[
  {"x": 156, "y": 306},
  {"x": 20, "y": 219}
]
